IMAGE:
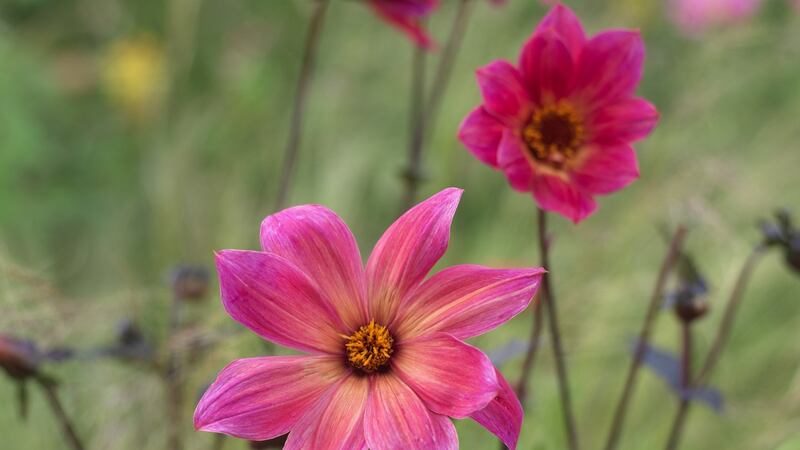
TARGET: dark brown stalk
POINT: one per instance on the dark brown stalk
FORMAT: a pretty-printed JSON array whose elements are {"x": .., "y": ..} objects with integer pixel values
[
  {"x": 549, "y": 304},
  {"x": 530, "y": 356},
  {"x": 413, "y": 173},
  {"x": 686, "y": 385},
  {"x": 219, "y": 442},
  {"x": 173, "y": 380},
  {"x": 719, "y": 342},
  {"x": 298, "y": 113},
  {"x": 49, "y": 389},
  {"x": 672, "y": 256},
  {"x": 730, "y": 313}
]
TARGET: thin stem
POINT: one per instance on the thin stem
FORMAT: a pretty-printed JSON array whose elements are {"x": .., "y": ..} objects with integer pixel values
[
  {"x": 51, "y": 394},
  {"x": 530, "y": 356},
  {"x": 719, "y": 341},
  {"x": 173, "y": 381},
  {"x": 549, "y": 304},
  {"x": 686, "y": 385},
  {"x": 219, "y": 442},
  {"x": 447, "y": 61},
  {"x": 730, "y": 313},
  {"x": 672, "y": 256},
  {"x": 298, "y": 113},
  {"x": 413, "y": 173}
]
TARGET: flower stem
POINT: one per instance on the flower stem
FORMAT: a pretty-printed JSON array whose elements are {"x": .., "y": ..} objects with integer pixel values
[
  {"x": 686, "y": 385},
  {"x": 414, "y": 173},
  {"x": 51, "y": 394},
  {"x": 730, "y": 313},
  {"x": 719, "y": 341},
  {"x": 425, "y": 111},
  {"x": 530, "y": 355},
  {"x": 672, "y": 256},
  {"x": 298, "y": 113},
  {"x": 549, "y": 304}
]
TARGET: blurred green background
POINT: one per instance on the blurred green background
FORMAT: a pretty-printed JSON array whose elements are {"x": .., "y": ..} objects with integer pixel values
[{"x": 137, "y": 135}]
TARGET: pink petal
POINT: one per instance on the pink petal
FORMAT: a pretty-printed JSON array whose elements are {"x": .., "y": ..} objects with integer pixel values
[
  {"x": 406, "y": 16},
  {"x": 262, "y": 398},
  {"x": 566, "y": 24},
  {"x": 513, "y": 162},
  {"x": 606, "y": 168},
  {"x": 503, "y": 415},
  {"x": 271, "y": 296},
  {"x": 336, "y": 421},
  {"x": 610, "y": 67},
  {"x": 628, "y": 120},
  {"x": 504, "y": 94},
  {"x": 452, "y": 378},
  {"x": 318, "y": 242},
  {"x": 547, "y": 67},
  {"x": 467, "y": 301},
  {"x": 556, "y": 195},
  {"x": 480, "y": 132},
  {"x": 396, "y": 418},
  {"x": 407, "y": 251}
]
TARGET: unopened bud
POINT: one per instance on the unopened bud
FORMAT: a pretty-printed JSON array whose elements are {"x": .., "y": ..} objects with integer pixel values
[
  {"x": 190, "y": 282},
  {"x": 17, "y": 357},
  {"x": 690, "y": 307}
]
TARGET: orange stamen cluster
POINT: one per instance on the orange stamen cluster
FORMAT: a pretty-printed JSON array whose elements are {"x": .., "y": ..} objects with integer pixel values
[
  {"x": 370, "y": 347},
  {"x": 554, "y": 134}
]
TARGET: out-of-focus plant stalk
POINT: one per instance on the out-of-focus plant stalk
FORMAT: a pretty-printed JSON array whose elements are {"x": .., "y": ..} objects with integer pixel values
[
  {"x": 549, "y": 305},
  {"x": 719, "y": 342},
  {"x": 672, "y": 256},
  {"x": 686, "y": 385},
  {"x": 413, "y": 173},
  {"x": 530, "y": 355},
  {"x": 424, "y": 110},
  {"x": 49, "y": 389},
  {"x": 301, "y": 95}
]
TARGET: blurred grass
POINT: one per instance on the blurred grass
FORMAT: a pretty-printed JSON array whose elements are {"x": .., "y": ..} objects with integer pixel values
[{"x": 97, "y": 200}]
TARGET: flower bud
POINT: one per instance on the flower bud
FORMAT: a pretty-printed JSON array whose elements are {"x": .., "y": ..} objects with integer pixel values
[
  {"x": 190, "y": 282},
  {"x": 690, "y": 307},
  {"x": 18, "y": 358}
]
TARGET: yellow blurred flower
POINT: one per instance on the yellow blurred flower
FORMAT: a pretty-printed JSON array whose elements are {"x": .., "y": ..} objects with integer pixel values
[{"x": 134, "y": 75}]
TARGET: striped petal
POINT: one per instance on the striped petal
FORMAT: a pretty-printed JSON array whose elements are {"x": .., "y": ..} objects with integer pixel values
[{"x": 503, "y": 415}]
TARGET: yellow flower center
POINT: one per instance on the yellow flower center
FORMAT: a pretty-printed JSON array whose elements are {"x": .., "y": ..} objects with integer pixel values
[
  {"x": 369, "y": 348},
  {"x": 554, "y": 134}
]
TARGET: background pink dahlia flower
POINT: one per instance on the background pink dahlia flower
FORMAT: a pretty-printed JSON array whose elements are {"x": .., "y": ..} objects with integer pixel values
[
  {"x": 696, "y": 16},
  {"x": 385, "y": 363},
  {"x": 560, "y": 123},
  {"x": 407, "y": 16}
]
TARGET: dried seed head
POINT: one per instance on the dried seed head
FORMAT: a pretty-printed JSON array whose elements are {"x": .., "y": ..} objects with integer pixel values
[
  {"x": 18, "y": 358},
  {"x": 190, "y": 282}
]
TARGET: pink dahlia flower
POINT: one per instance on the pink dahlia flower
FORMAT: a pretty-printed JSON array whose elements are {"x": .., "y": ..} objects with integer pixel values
[
  {"x": 407, "y": 16},
  {"x": 560, "y": 124},
  {"x": 693, "y": 17},
  {"x": 385, "y": 362}
]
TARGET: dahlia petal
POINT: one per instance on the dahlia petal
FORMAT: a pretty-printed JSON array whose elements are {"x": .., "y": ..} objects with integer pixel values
[
  {"x": 610, "y": 67},
  {"x": 629, "y": 120},
  {"x": 336, "y": 421},
  {"x": 503, "y": 415},
  {"x": 512, "y": 161},
  {"x": 396, "y": 418},
  {"x": 262, "y": 398},
  {"x": 407, "y": 251},
  {"x": 276, "y": 300},
  {"x": 552, "y": 193},
  {"x": 504, "y": 93},
  {"x": 566, "y": 24},
  {"x": 547, "y": 67},
  {"x": 406, "y": 17},
  {"x": 318, "y": 242},
  {"x": 480, "y": 132},
  {"x": 452, "y": 378},
  {"x": 606, "y": 168},
  {"x": 468, "y": 300}
]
